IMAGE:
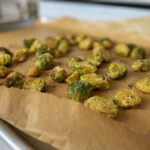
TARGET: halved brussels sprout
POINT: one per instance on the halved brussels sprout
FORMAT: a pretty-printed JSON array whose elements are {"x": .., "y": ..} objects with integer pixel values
[
  {"x": 84, "y": 68},
  {"x": 35, "y": 46},
  {"x": 94, "y": 60},
  {"x": 141, "y": 65},
  {"x": 20, "y": 55},
  {"x": 79, "y": 38},
  {"x": 5, "y": 50},
  {"x": 44, "y": 61},
  {"x": 63, "y": 46},
  {"x": 5, "y": 59},
  {"x": 14, "y": 79},
  {"x": 122, "y": 49},
  {"x": 36, "y": 84},
  {"x": 58, "y": 74},
  {"x": 116, "y": 70},
  {"x": 79, "y": 90},
  {"x": 73, "y": 60},
  {"x": 34, "y": 72},
  {"x": 28, "y": 42},
  {"x": 138, "y": 53},
  {"x": 4, "y": 71},
  {"x": 143, "y": 85},
  {"x": 127, "y": 98},
  {"x": 102, "y": 105},
  {"x": 97, "y": 81},
  {"x": 106, "y": 42},
  {"x": 51, "y": 42},
  {"x": 73, "y": 77},
  {"x": 86, "y": 44}
]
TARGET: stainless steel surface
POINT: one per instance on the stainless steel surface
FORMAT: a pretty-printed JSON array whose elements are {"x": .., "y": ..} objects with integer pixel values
[
  {"x": 15, "y": 13},
  {"x": 9, "y": 140}
]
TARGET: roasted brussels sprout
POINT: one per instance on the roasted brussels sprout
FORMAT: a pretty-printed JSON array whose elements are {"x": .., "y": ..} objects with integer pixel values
[
  {"x": 79, "y": 38},
  {"x": 5, "y": 59},
  {"x": 141, "y": 65},
  {"x": 44, "y": 49},
  {"x": 84, "y": 68},
  {"x": 35, "y": 46},
  {"x": 127, "y": 98},
  {"x": 58, "y": 74},
  {"x": 116, "y": 70},
  {"x": 97, "y": 81},
  {"x": 51, "y": 42},
  {"x": 57, "y": 53},
  {"x": 36, "y": 84},
  {"x": 73, "y": 77},
  {"x": 58, "y": 38},
  {"x": 95, "y": 60},
  {"x": 102, "y": 105},
  {"x": 64, "y": 46},
  {"x": 28, "y": 42},
  {"x": 5, "y": 50},
  {"x": 71, "y": 39},
  {"x": 138, "y": 53},
  {"x": 72, "y": 61},
  {"x": 34, "y": 72},
  {"x": 86, "y": 44},
  {"x": 79, "y": 90},
  {"x": 107, "y": 43},
  {"x": 104, "y": 54},
  {"x": 97, "y": 44},
  {"x": 20, "y": 55},
  {"x": 14, "y": 79},
  {"x": 143, "y": 85},
  {"x": 122, "y": 49},
  {"x": 44, "y": 61},
  {"x": 4, "y": 71}
]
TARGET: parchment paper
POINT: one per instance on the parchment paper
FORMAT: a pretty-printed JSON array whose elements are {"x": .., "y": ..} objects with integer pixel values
[{"x": 52, "y": 118}]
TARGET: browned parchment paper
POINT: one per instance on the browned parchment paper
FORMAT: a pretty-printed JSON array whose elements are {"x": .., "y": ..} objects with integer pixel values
[{"x": 65, "y": 124}]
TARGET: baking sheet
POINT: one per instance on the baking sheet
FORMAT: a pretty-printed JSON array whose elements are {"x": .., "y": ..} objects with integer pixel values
[{"x": 65, "y": 124}]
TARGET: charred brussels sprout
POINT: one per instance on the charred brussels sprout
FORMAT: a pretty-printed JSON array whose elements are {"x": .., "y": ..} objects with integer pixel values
[
  {"x": 122, "y": 49},
  {"x": 143, "y": 85},
  {"x": 102, "y": 105},
  {"x": 44, "y": 61},
  {"x": 20, "y": 55},
  {"x": 73, "y": 77},
  {"x": 104, "y": 54},
  {"x": 141, "y": 65},
  {"x": 107, "y": 43},
  {"x": 116, "y": 71},
  {"x": 58, "y": 74},
  {"x": 84, "y": 68},
  {"x": 138, "y": 53},
  {"x": 4, "y": 71},
  {"x": 14, "y": 79},
  {"x": 35, "y": 72},
  {"x": 5, "y": 50},
  {"x": 63, "y": 46},
  {"x": 72, "y": 61},
  {"x": 37, "y": 84},
  {"x": 79, "y": 90},
  {"x": 86, "y": 44},
  {"x": 5, "y": 59},
  {"x": 127, "y": 98},
  {"x": 28, "y": 42},
  {"x": 79, "y": 38},
  {"x": 44, "y": 49},
  {"x": 96, "y": 81},
  {"x": 35, "y": 46},
  {"x": 94, "y": 60}
]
